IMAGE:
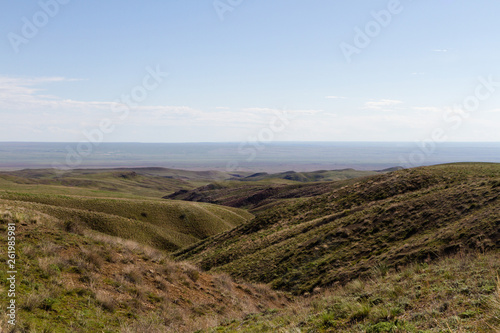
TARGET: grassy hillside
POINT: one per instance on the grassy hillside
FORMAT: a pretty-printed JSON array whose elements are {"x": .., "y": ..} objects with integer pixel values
[
  {"x": 312, "y": 176},
  {"x": 167, "y": 225},
  {"x": 91, "y": 282},
  {"x": 460, "y": 293},
  {"x": 392, "y": 220},
  {"x": 124, "y": 202},
  {"x": 143, "y": 182}
]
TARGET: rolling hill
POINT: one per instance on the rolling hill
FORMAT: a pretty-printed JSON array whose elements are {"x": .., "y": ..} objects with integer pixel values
[
  {"x": 166, "y": 225},
  {"x": 260, "y": 191},
  {"x": 123, "y": 202},
  {"x": 392, "y": 219},
  {"x": 150, "y": 182},
  {"x": 124, "y": 182}
]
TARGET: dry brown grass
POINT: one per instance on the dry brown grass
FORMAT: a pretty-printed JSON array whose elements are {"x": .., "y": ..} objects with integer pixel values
[
  {"x": 132, "y": 274},
  {"x": 106, "y": 300},
  {"x": 223, "y": 282},
  {"x": 126, "y": 246},
  {"x": 74, "y": 227},
  {"x": 34, "y": 300},
  {"x": 190, "y": 270},
  {"x": 51, "y": 265}
]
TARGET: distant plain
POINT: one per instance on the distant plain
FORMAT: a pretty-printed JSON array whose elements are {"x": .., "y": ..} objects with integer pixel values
[{"x": 252, "y": 157}]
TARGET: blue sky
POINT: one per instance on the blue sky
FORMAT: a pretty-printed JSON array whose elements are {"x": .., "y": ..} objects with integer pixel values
[{"x": 233, "y": 71}]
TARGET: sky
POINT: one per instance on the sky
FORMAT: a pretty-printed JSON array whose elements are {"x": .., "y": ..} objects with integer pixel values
[{"x": 239, "y": 70}]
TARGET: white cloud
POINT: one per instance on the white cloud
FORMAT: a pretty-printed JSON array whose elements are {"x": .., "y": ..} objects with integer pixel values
[
  {"x": 259, "y": 110},
  {"x": 433, "y": 109},
  {"x": 24, "y": 94},
  {"x": 440, "y": 50},
  {"x": 30, "y": 114},
  {"x": 292, "y": 112},
  {"x": 383, "y": 104},
  {"x": 26, "y": 108}
]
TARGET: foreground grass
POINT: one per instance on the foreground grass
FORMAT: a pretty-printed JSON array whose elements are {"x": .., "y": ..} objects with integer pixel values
[
  {"x": 455, "y": 294},
  {"x": 84, "y": 281}
]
